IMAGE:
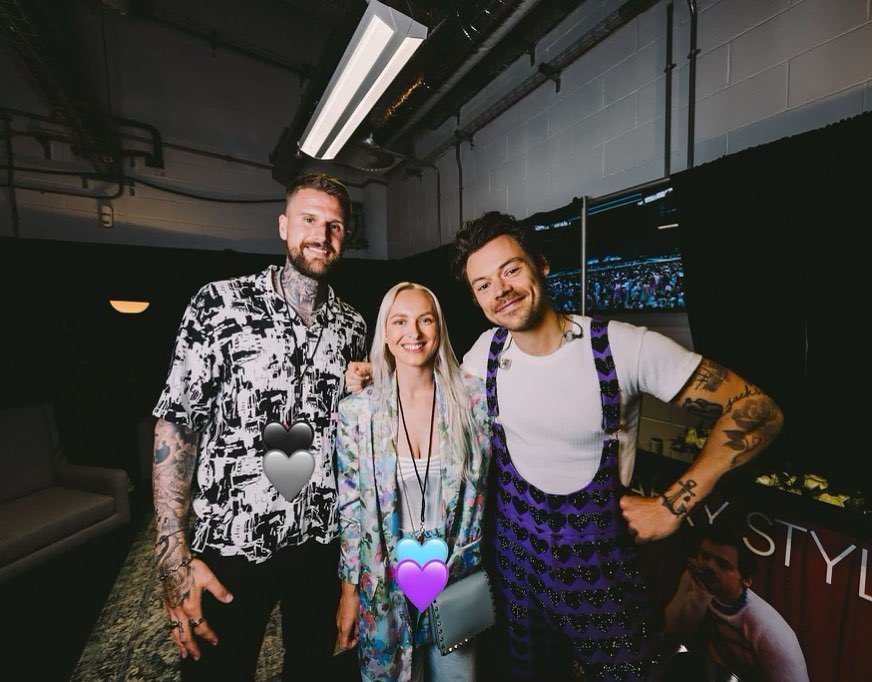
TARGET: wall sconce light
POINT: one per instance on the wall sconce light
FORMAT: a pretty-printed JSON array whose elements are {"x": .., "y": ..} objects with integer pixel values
[
  {"x": 381, "y": 45},
  {"x": 129, "y": 307}
]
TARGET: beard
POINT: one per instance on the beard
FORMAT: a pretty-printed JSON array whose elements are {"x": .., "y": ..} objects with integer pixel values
[
  {"x": 529, "y": 318},
  {"x": 317, "y": 269}
]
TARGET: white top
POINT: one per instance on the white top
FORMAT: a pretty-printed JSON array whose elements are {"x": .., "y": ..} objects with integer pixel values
[
  {"x": 410, "y": 493},
  {"x": 550, "y": 408},
  {"x": 756, "y": 643}
]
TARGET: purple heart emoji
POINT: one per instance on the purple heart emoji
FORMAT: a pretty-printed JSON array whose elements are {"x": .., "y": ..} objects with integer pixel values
[{"x": 422, "y": 585}]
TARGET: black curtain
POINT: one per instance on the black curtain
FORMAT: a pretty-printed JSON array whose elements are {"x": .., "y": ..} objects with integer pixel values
[
  {"x": 779, "y": 286},
  {"x": 102, "y": 372}
]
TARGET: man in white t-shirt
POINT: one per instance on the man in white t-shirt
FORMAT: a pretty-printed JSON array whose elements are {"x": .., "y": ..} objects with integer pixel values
[{"x": 564, "y": 394}]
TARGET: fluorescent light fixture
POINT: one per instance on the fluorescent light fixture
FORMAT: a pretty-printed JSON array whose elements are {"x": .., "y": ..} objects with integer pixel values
[
  {"x": 129, "y": 307},
  {"x": 381, "y": 45},
  {"x": 667, "y": 227}
]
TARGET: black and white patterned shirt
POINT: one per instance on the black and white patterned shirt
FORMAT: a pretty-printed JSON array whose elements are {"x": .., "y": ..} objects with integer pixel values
[{"x": 237, "y": 358}]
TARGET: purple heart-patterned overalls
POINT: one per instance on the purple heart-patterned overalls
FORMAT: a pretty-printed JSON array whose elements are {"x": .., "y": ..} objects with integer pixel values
[{"x": 566, "y": 564}]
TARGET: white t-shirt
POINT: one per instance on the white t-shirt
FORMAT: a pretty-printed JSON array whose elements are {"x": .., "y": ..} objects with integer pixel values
[
  {"x": 550, "y": 406},
  {"x": 756, "y": 643},
  {"x": 410, "y": 493}
]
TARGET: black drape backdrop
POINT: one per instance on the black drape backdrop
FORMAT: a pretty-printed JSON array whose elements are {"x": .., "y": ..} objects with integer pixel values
[
  {"x": 779, "y": 286},
  {"x": 63, "y": 345}
]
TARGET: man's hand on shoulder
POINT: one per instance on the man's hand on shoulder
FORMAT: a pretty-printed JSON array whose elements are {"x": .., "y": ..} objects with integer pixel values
[{"x": 358, "y": 376}]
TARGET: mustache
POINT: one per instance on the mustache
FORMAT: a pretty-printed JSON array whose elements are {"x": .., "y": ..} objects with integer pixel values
[{"x": 319, "y": 245}]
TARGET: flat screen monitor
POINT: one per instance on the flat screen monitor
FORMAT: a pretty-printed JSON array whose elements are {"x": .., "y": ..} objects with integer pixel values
[{"x": 632, "y": 254}]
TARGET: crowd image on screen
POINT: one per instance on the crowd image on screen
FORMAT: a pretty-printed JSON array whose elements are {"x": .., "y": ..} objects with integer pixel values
[
  {"x": 655, "y": 283},
  {"x": 564, "y": 290}
]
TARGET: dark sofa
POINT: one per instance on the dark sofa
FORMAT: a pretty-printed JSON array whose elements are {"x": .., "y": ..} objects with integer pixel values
[{"x": 47, "y": 505}]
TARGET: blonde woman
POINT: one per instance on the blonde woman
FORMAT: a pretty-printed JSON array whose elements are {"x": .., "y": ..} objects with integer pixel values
[{"x": 413, "y": 451}]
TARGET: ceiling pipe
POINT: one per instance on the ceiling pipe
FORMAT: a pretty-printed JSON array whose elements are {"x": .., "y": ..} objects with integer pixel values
[
  {"x": 621, "y": 16},
  {"x": 479, "y": 53},
  {"x": 42, "y": 47},
  {"x": 147, "y": 11},
  {"x": 468, "y": 25}
]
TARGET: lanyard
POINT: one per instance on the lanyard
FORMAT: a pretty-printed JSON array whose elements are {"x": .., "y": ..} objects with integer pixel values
[{"x": 421, "y": 485}]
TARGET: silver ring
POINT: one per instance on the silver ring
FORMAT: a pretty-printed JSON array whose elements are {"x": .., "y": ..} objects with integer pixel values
[
  {"x": 195, "y": 623},
  {"x": 175, "y": 624}
]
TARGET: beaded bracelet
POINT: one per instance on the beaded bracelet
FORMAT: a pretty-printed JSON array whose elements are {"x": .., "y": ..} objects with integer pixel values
[{"x": 185, "y": 562}]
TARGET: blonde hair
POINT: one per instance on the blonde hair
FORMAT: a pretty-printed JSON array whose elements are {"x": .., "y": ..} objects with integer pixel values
[{"x": 459, "y": 417}]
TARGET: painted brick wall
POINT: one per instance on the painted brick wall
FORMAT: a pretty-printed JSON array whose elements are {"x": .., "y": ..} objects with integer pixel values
[{"x": 766, "y": 69}]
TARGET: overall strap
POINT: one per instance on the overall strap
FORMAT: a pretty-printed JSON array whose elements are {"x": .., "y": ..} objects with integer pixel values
[
  {"x": 493, "y": 362},
  {"x": 610, "y": 392}
]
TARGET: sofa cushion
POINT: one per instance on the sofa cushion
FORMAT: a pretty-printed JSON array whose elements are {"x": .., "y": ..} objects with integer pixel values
[
  {"x": 28, "y": 446},
  {"x": 46, "y": 516}
]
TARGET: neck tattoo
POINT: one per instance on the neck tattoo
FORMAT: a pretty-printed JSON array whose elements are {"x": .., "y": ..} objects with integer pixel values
[{"x": 304, "y": 294}]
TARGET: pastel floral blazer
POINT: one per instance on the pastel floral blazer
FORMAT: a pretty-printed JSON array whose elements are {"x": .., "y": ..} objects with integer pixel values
[{"x": 367, "y": 464}]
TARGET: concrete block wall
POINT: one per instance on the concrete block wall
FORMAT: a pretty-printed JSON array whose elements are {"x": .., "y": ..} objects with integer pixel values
[
  {"x": 198, "y": 97},
  {"x": 766, "y": 69}
]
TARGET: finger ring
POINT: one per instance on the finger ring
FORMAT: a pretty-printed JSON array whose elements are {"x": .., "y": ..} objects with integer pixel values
[
  {"x": 175, "y": 624},
  {"x": 196, "y": 622}
]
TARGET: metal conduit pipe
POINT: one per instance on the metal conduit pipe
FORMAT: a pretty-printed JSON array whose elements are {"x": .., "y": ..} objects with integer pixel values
[
  {"x": 691, "y": 85},
  {"x": 477, "y": 55},
  {"x": 438, "y": 202},
  {"x": 459, "y": 185},
  {"x": 10, "y": 177},
  {"x": 667, "y": 115}
]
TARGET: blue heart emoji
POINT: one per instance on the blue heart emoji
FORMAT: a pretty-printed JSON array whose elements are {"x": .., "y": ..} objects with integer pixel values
[{"x": 433, "y": 549}]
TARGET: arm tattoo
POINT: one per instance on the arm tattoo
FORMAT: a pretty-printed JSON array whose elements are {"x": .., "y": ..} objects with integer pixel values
[
  {"x": 702, "y": 408},
  {"x": 709, "y": 376},
  {"x": 759, "y": 421},
  {"x": 684, "y": 493},
  {"x": 747, "y": 393},
  {"x": 175, "y": 454}
]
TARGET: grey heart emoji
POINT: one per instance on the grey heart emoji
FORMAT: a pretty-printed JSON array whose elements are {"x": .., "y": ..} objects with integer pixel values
[{"x": 289, "y": 475}]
